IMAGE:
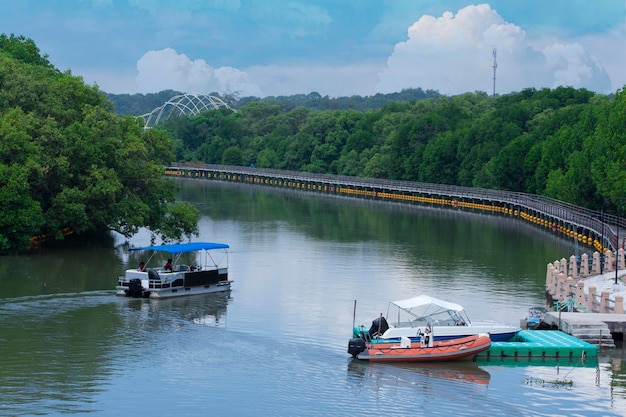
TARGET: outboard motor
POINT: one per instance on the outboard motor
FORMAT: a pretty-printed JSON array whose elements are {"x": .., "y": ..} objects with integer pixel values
[
  {"x": 379, "y": 326},
  {"x": 135, "y": 289},
  {"x": 356, "y": 346}
]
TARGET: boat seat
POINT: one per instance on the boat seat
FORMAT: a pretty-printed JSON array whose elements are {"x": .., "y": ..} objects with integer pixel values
[{"x": 182, "y": 268}]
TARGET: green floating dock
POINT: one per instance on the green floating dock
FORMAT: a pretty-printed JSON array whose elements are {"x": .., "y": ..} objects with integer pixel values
[{"x": 541, "y": 344}]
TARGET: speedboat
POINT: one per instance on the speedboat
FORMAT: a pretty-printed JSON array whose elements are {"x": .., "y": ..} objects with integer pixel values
[
  {"x": 535, "y": 316},
  {"x": 203, "y": 269},
  {"x": 428, "y": 350},
  {"x": 448, "y": 320}
]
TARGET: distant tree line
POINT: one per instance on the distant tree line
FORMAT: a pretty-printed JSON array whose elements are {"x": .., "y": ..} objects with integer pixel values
[
  {"x": 140, "y": 104},
  {"x": 564, "y": 143}
]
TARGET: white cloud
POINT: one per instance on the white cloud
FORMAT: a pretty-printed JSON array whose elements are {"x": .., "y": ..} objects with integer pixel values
[
  {"x": 166, "y": 69},
  {"x": 453, "y": 54},
  {"x": 609, "y": 48},
  {"x": 572, "y": 65}
]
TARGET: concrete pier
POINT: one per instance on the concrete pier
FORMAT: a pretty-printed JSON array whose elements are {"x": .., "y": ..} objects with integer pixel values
[{"x": 599, "y": 328}]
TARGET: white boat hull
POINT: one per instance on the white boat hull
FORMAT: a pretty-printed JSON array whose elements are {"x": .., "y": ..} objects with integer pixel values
[
  {"x": 498, "y": 332},
  {"x": 179, "y": 292},
  {"x": 160, "y": 284}
]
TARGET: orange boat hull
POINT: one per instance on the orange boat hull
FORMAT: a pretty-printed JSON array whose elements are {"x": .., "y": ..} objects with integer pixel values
[{"x": 445, "y": 350}]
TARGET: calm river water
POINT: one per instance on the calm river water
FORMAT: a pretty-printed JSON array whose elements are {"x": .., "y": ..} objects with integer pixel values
[{"x": 276, "y": 345}]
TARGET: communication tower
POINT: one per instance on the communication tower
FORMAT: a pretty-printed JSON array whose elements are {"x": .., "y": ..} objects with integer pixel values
[{"x": 495, "y": 65}]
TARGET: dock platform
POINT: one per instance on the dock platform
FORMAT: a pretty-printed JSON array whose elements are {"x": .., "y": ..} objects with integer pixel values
[
  {"x": 539, "y": 345},
  {"x": 596, "y": 328}
]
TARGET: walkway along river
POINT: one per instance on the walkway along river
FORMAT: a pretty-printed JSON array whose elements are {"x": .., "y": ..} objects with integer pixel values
[{"x": 589, "y": 227}]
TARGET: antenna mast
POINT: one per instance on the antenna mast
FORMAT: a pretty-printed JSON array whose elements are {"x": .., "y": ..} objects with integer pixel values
[{"x": 495, "y": 65}]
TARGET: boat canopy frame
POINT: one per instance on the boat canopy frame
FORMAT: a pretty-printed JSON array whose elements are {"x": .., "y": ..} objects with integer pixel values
[{"x": 424, "y": 309}]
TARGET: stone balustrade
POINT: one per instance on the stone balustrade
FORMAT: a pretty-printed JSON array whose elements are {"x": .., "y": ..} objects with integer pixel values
[{"x": 565, "y": 282}]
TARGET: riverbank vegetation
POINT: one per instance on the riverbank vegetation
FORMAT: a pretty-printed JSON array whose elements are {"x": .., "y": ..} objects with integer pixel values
[
  {"x": 70, "y": 166},
  {"x": 564, "y": 143}
]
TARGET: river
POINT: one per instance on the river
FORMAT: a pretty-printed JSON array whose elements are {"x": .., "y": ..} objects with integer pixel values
[{"x": 276, "y": 344}]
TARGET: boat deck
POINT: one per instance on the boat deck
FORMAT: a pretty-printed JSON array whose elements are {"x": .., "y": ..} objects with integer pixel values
[{"x": 542, "y": 344}]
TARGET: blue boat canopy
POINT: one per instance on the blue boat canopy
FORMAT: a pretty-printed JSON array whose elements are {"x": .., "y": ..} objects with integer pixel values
[{"x": 185, "y": 247}]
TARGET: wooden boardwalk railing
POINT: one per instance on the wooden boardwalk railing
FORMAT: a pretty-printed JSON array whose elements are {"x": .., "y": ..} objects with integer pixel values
[{"x": 587, "y": 226}]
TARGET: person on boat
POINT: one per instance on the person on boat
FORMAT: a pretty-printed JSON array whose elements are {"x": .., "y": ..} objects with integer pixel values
[
  {"x": 168, "y": 266},
  {"x": 428, "y": 336},
  {"x": 141, "y": 267}
]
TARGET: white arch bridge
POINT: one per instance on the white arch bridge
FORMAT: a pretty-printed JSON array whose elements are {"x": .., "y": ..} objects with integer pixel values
[{"x": 187, "y": 104}]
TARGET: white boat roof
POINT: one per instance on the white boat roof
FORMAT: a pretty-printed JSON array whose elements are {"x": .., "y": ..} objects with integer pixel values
[{"x": 429, "y": 305}]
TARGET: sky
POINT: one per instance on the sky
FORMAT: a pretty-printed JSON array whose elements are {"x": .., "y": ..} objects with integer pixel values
[{"x": 333, "y": 47}]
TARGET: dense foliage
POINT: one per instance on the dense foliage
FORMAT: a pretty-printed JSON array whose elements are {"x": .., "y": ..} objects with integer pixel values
[
  {"x": 69, "y": 165},
  {"x": 564, "y": 143}
]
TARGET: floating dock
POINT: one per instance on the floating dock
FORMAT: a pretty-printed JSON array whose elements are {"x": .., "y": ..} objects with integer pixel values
[{"x": 537, "y": 346}]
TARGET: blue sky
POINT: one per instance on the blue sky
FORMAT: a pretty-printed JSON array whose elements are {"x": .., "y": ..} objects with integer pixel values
[{"x": 333, "y": 47}]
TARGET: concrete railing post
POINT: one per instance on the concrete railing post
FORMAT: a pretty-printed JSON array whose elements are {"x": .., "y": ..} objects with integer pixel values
[
  {"x": 549, "y": 278},
  {"x": 555, "y": 282},
  {"x": 604, "y": 302},
  {"x": 595, "y": 267},
  {"x": 620, "y": 259},
  {"x": 584, "y": 265},
  {"x": 563, "y": 290},
  {"x": 563, "y": 266},
  {"x": 591, "y": 299},
  {"x": 608, "y": 261},
  {"x": 573, "y": 267},
  {"x": 619, "y": 304},
  {"x": 569, "y": 288},
  {"x": 580, "y": 293}
]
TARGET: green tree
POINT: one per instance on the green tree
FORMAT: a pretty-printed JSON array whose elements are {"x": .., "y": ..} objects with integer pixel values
[
  {"x": 607, "y": 148},
  {"x": 232, "y": 156},
  {"x": 69, "y": 166}
]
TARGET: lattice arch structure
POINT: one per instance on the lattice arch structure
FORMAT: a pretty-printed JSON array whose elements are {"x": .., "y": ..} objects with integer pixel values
[{"x": 187, "y": 104}]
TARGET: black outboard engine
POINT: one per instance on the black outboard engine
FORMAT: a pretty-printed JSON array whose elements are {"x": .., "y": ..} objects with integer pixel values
[
  {"x": 356, "y": 346},
  {"x": 379, "y": 326},
  {"x": 135, "y": 289}
]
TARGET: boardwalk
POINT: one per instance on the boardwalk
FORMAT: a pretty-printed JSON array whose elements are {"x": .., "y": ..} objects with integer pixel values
[{"x": 589, "y": 227}]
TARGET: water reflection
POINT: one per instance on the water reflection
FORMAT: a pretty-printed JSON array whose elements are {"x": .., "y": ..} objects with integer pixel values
[
  {"x": 525, "y": 361},
  {"x": 204, "y": 309},
  {"x": 454, "y": 388},
  {"x": 55, "y": 352},
  {"x": 408, "y": 373}
]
